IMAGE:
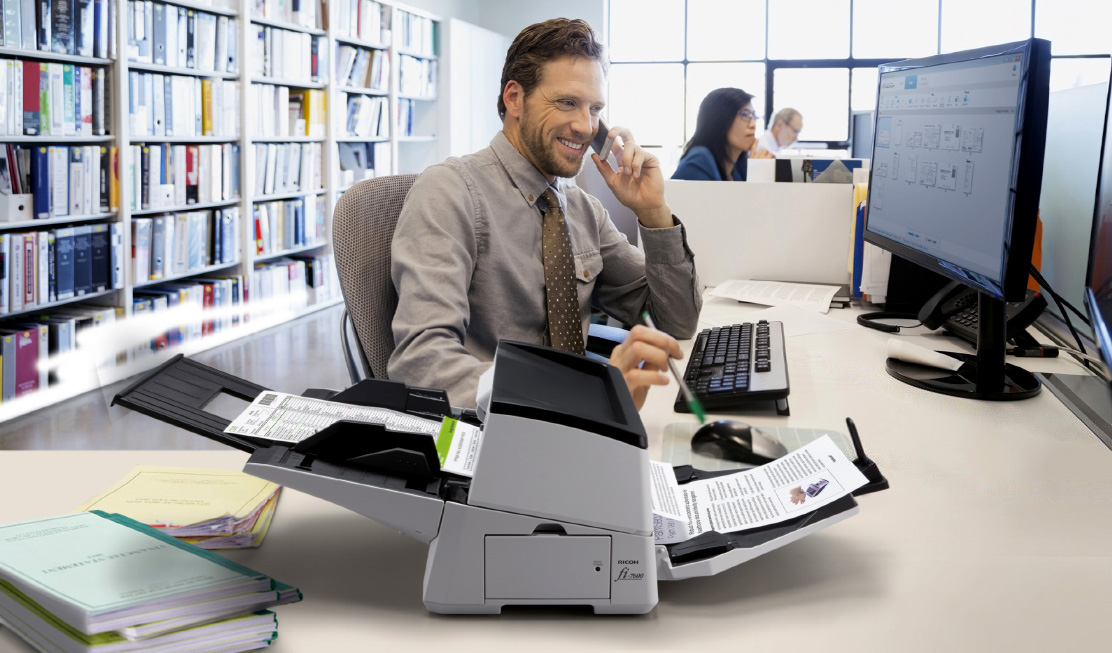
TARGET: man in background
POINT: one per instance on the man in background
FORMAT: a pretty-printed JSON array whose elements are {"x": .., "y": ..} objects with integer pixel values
[{"x": 784, "y": 131}]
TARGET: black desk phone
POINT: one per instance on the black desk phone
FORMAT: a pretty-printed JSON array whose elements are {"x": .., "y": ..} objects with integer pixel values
[{"x": 954, "y": 308}]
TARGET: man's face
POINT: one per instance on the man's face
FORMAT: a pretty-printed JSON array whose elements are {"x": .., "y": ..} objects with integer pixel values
[
  {"x": 560, "y": 117},
  {"x": 789, "y": 131}
]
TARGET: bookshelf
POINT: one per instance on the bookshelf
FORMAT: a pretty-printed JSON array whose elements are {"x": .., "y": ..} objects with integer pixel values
[{"x": 388, "y": 148}]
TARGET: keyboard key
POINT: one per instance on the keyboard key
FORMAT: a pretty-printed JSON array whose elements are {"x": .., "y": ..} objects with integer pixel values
[{"x": 763, "y": 366}]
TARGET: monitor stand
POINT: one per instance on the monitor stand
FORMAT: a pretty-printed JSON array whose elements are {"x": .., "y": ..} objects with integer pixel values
[{"x": 983, "y": 375}]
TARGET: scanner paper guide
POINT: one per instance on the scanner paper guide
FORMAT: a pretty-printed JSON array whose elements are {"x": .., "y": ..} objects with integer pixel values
[
  {"x": 800, "y": 482},
  {"x": 778, "y": 293},
  {"x": 289, "y": 418}
]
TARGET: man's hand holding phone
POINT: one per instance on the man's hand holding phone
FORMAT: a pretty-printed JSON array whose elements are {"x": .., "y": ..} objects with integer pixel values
[{"x": 638, "y": 182}]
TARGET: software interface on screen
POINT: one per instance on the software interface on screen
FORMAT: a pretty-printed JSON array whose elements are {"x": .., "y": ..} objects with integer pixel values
[{"x": 942, "y": 160}]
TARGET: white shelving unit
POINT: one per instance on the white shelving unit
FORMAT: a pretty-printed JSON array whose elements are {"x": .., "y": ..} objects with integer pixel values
[{"x": 407, "y": 154}]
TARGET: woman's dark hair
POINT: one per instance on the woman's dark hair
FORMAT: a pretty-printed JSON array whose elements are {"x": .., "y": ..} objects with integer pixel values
[{"x": 716, "y": 116}]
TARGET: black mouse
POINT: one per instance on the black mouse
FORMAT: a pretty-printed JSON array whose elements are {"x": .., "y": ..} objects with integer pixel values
[{"x": 736, "y": 441}]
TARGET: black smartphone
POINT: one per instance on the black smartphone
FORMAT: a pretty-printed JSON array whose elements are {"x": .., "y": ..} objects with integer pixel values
[{"x": 603, "y": 142}]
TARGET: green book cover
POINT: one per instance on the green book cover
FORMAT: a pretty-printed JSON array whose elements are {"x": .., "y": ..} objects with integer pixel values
[
  {"x": 85, "y": 565},
  {"x": 68, "y": 99},
  {"x": 44, "y": 98}
]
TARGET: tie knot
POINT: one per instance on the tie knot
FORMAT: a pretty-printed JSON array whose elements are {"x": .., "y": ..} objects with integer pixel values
[{"x": 549, "y": 196}]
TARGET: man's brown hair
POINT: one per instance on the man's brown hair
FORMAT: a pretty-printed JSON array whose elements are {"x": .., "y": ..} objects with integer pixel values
[{"x": 540, "y": 43}]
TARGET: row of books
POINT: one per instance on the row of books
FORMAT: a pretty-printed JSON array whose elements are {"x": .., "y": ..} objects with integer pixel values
[
  {"x": 43, "y": 267},
  {"x": 114, "y": 584},
  {"x": 293, "y": 282},
  {"x": 181, "y": 105},
  {"x": 367, "y": 117},
  {"x": 284, "y": 225},
  {"x": 174, "y": 245},
  {"x": 406, "y": 109},
  {"x": 359, "y": 161},
  {"x": 416, "y": 34},
  {"x": 288, "y": 167},
  {"x": 306, "y": 13},
  {"x": 416, "y": 76},
  {"x": 219, "y": 297},
  {"x": 84, "y": 28},
  {"x": 287, "y": 55},
  {"x": 62, "y": 180},
  {"x": 282, "y": 112},
  {"x": 30, "y": 346},
  {"x": 51, "y": 99},
  {"x": 362, "y": 67},
  {"x": 167, "y": 35},
  {"x": 165, "y": 176},
  {"x": 366, "y": 20}
]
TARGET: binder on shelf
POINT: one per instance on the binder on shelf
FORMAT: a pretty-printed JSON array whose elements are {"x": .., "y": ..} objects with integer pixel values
[
  {"x": 100, "y": 257},
  {"x": 64, "y": 263},
  {"x": 82, "y": 260}
]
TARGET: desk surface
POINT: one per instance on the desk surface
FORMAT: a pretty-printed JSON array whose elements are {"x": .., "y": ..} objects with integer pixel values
[{"x": 995, "y": 535}]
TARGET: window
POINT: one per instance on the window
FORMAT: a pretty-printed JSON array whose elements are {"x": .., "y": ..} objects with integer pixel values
[
  {"x": 808, "y": 29},
  {"x": 976, "y": 23},
  {"x": 641, "y": 99},
  {"x": 819, "y": 56},
  {"x": 875, "y": 35},
  {"x": 725, "y": 31}
]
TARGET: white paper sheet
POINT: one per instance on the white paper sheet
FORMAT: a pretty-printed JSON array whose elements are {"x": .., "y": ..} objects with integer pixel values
[
  {"x": 800, "y": 482},
  {"x": 778, "y": 293},
  {"x": 290, "y": 418}
]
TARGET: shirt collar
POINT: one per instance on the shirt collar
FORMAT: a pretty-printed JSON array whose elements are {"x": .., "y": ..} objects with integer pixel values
[{"x": 528, "y": 180}]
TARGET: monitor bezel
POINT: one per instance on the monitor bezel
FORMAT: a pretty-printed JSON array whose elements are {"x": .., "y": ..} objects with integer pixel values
[
  {"x": 1027, "y": 167},
  {"x": 1096, "y": 316}
]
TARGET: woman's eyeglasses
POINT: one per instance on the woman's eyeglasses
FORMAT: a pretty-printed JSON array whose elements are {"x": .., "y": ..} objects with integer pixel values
[{"x": 747, "y": 114}]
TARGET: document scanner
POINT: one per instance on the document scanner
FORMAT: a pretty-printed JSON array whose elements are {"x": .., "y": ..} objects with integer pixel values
[{"x": 559, "y": 509}]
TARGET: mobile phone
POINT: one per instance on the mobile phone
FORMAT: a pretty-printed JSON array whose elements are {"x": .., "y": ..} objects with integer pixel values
[{"x": 603, "y": 141}]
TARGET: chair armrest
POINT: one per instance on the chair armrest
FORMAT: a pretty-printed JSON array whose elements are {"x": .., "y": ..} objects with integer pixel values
[{"x": 602, "y": 339}]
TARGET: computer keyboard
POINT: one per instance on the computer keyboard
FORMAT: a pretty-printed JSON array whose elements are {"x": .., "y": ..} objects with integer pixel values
[{"x": 733, "y": 365}]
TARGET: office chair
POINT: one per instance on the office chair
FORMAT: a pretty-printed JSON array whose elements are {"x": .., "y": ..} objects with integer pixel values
[{"x": 362, "y": 230}]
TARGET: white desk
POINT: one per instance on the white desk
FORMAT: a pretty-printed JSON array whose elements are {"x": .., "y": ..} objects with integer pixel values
[{"x": 995, "y": 536}]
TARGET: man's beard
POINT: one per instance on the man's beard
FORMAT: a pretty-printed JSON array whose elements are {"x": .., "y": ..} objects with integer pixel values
[{"x": 548, "y": 162}]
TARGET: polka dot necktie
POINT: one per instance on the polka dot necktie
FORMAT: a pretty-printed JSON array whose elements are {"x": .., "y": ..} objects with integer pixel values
[{"x": 564, "y": 325}]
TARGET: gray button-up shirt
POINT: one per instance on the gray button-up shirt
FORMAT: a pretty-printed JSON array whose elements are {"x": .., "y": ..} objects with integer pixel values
[{"x": 467, "y": 265}]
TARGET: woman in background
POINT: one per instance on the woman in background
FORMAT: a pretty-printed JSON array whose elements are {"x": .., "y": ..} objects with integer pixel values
[{"x": 725, "y": 137}]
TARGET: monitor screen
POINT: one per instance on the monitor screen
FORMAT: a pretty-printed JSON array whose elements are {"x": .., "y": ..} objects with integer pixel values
[
  {"x": 1098, "y": 294},
  {"x": 862, "y": 135},
  {"x": 946, "y": 163}
]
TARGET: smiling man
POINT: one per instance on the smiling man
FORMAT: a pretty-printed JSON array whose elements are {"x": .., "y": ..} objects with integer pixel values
[{"x": 497, "y": 244}]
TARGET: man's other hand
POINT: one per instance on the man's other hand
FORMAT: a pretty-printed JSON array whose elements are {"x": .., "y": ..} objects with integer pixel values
[{"x": 643, "y": 360}]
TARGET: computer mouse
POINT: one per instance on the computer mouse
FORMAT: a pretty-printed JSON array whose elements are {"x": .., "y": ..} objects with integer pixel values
[{"x": 736, "y": 441}]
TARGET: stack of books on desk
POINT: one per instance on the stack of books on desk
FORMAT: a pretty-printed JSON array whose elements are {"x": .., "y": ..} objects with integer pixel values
[
  {"x": 93, "y": 581},
  {"x": 211, "y": 508}
]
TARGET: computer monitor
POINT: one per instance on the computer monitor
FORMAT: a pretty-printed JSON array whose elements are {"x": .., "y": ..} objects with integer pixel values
[
  {"x": 956, "y": 174},
  {"x": 862, "y": 135},
  {"x": 1098, "y": 278}
]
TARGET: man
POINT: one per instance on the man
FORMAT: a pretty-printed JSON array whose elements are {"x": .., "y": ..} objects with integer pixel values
[
  {"x": 470, "y": 250},
  {"x": 784, "y": 131}
]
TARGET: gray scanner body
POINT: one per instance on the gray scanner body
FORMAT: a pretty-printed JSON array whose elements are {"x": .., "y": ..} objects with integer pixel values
[
  {"x": 558, "y": 511},
  {"x": 556, "y": 514}
]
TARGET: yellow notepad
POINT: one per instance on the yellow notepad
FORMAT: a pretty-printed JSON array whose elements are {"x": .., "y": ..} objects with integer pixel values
[{"x": 197, "y": 502}]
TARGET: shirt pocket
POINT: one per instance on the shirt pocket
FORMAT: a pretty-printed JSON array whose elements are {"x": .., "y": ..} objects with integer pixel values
[{"x": 588, "y": 266}]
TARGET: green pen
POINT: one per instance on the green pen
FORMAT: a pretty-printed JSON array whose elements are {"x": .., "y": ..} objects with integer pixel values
[{"x": 692, "y": 401}]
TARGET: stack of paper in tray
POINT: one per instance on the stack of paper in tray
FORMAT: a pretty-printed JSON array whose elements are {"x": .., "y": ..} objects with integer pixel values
[
  {"x": 212, "y": 508},
  {"x": 93, "y": 581}
]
